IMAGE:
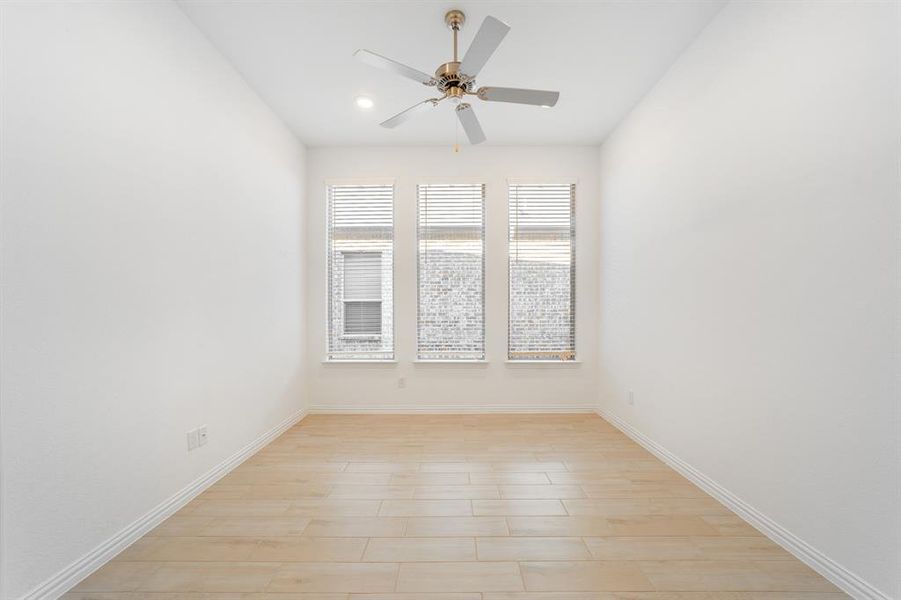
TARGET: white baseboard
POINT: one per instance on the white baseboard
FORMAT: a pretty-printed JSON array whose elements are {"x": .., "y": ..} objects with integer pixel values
[
  {"x": 816, "y": 560},
  {"x": 448, "y": 409},
  {"x": 66, "y": 579}
]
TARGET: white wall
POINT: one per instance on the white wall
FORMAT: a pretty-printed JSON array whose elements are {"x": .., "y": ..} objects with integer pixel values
[
  {"x": 152, "y": 280},
  {"x": 495, "y": 386},
  {"x": 750, "y": 280}
]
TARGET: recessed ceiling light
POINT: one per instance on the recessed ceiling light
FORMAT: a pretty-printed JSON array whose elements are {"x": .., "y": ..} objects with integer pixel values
[
  {"x": 544, "y": 105},
  {"x": 365, "y": 102}
]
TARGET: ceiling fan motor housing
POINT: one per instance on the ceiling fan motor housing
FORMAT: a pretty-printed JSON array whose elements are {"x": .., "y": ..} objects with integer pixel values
[{"x": 450, "y": 81}]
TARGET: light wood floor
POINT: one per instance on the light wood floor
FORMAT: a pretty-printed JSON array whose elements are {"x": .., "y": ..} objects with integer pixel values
[{"x": 476, "y": 507}]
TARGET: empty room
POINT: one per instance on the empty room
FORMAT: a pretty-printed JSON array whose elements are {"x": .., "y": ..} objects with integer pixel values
[{"x": 478, "y": 300}]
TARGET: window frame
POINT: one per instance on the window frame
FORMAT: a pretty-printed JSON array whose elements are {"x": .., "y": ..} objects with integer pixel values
[
  {"x": 573, "y": 355},
  {"x": 483, "y": 239},
  {"x": 391, "y": 355},
  {"x": 345, "y": 300}
]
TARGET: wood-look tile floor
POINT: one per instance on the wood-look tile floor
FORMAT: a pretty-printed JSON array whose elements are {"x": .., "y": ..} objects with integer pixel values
[{"x": 453, "y": 507}]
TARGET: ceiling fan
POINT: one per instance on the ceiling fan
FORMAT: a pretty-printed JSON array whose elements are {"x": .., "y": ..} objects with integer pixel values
[{"x": 456, "y": 79}]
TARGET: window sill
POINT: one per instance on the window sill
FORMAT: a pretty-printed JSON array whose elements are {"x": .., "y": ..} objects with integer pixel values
[
  {"x": 359, "y": 361},
  {"x": 475, "y": 363},
  {"x": 543, "y": 362}
]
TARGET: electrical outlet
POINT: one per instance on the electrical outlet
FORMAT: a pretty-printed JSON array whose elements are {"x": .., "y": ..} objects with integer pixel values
[
  {"x": 201, "y": 435},
  {"x": 401, "y": 382},
  {"x": 631, "y": 398},
  {"x": 192, "y": 439}
]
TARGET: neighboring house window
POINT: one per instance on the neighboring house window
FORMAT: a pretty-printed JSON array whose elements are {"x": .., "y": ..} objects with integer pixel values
[
  {"x": 451, "y": 272},
  {"x": 360, "y": 272},
  {"x": 362, "y": 293},
  {"x": 542, "y": 280}
]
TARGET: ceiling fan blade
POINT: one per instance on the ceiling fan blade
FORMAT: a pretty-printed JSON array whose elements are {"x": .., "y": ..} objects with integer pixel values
[
  {"x": 518, "y": 96},
  {"x": 488, "y": 38},
  {"x": 470, "y": 124},
  {"x": 404, "y": 116},
  {"x": 377, "y": 60}
]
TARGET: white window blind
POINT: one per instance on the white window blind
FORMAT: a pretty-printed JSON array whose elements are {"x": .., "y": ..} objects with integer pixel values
[
  {"x": 360, "y": 272},
  {"x": 542, "y": 277},
  {"x": 362, "y": 293},
  {"x": 451, "y": 271}
]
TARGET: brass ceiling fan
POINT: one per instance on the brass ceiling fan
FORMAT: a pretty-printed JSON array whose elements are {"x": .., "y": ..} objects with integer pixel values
[{"x": 456, "y": 79}]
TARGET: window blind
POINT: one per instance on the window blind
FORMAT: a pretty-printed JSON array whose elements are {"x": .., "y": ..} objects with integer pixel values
[
  {"x": 451, "y": 272},
  {"x": 362, "y": 318},
  {"x": 542, "y": 277},
  {"x": 362, "y": 293},
  {"x": 360, "y": 272}
]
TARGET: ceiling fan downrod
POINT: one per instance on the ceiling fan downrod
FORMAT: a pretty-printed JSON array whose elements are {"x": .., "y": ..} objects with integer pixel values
[
  {"x": 455, "y": 20},
  {"x": 448, "y": 78}
]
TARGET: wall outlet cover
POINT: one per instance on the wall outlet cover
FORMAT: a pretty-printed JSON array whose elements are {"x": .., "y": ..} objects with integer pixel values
[{"x": 192, "y": 439}]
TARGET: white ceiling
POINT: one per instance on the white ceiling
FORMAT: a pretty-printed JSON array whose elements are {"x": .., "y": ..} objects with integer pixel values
[{"x": 601, "y": 56}]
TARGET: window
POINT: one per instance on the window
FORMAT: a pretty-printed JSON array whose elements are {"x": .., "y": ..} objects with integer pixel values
[
  {"x": 451, "y": 272},
  {"x": 360, "y": 272},
  {"x": 362, "y": 293},
  {"x": 542, "y": 253}
]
